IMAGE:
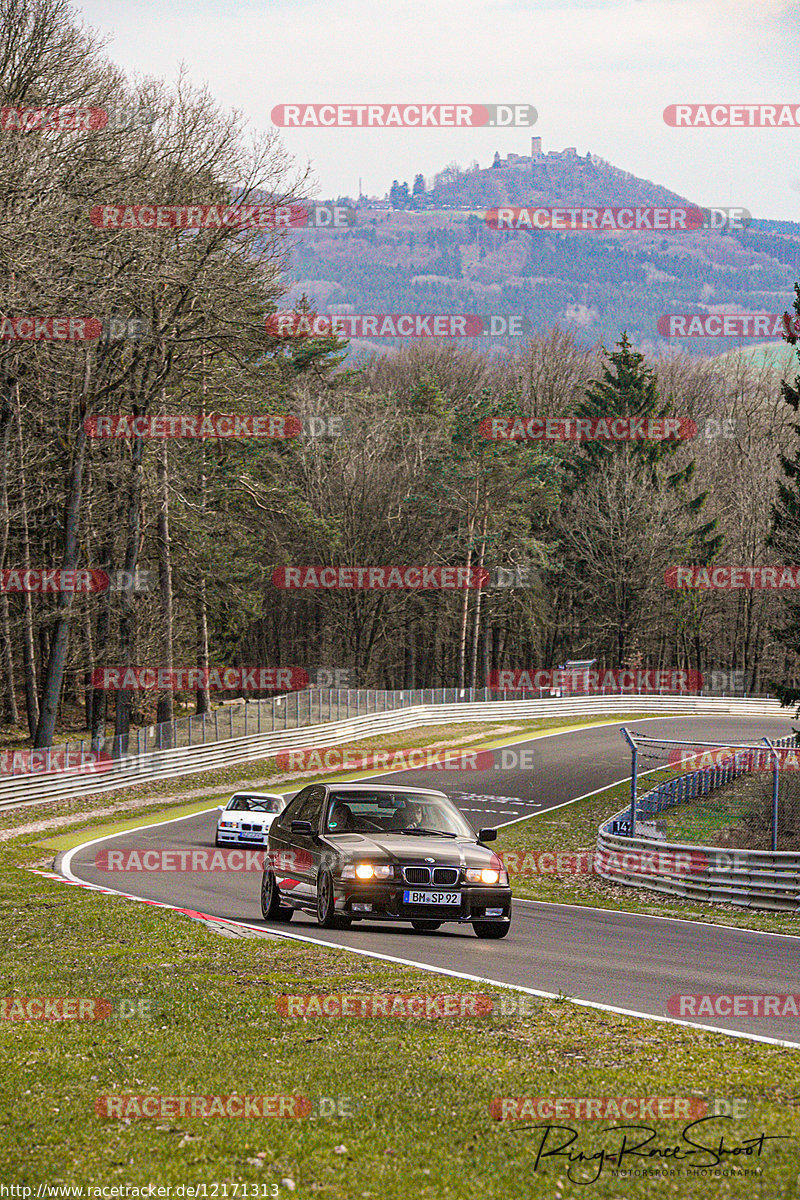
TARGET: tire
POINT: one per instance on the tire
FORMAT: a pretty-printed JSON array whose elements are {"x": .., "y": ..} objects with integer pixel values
[
  {"x": 271, "y": 908},
  {"x": 327, "y": 917},
  {"x": 425, "y": 926},
  {"x": 491, "y": 929},
  {"x": 217, "y": 842}
]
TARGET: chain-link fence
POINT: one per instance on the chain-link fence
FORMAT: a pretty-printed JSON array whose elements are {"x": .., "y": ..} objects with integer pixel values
[{"x": 741, "y": 796}]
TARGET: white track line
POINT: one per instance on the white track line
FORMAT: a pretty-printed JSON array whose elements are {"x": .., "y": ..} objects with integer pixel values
[{"x": 66, "y": 866}]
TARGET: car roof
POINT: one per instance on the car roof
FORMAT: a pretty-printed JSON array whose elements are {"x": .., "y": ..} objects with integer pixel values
[
  {"x": 259, "y": 795},
  {"x": 383, "y": 787}
]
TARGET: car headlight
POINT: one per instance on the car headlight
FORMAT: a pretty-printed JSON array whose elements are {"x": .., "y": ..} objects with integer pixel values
[
  {"x": 366, "y": 871},
  {"x": 487, "y": 875},
  {"x": 227, "y": 824}
]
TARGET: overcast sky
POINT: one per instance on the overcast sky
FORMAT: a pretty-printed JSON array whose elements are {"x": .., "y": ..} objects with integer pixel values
[{"x": 598, "y": 72}]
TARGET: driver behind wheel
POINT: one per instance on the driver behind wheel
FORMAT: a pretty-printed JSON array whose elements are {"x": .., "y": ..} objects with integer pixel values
[
  {"x": 413, "y": 816},
  {"x": 340, "y": 818}
]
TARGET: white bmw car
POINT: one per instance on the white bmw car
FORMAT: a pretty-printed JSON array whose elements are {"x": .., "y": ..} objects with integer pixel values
[{"x": 246, "y": 818}]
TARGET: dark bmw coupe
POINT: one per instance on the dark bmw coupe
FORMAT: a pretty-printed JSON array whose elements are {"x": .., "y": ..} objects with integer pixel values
[{"x": 354, "y": 851}]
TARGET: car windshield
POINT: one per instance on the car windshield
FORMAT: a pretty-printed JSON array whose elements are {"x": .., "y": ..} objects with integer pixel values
[
  {"x": 267, "y": 804},
  {"x": 394, "y": 812}
]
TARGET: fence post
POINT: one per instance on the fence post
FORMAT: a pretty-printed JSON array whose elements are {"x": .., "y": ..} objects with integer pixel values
[
  {"x": 245, "y": 718},
  {"x": 634, "y": 762},
  {"x": 775, "y": 787},
  {"x": 216, "y": 724},
  {"x": 190, "y": 730},
  {"x": 230, "y": 719}
]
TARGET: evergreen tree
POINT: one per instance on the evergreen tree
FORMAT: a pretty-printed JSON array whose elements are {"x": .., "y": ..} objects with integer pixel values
[{"x": 627, "y": 514}]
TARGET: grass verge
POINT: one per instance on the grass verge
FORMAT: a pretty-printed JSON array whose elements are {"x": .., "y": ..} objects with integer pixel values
[{"x": 419, "y": 1090}]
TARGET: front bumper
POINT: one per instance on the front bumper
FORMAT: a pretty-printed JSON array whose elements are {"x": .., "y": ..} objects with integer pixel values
[
  {"x": 385, "y": 901},
  {"x": 233, "y": 837}
]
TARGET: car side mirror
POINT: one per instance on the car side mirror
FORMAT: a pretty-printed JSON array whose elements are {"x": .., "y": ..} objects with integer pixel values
[
  {"x": 302, "y": 827},
  {"x": 487, "y": 835},
  {"x": 220, "y": 808}
]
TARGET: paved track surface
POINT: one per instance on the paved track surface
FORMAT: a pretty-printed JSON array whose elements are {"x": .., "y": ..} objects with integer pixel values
[{"x": 618, "y": 959}]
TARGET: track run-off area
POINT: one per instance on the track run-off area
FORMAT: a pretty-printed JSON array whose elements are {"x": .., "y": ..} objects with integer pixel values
[{"x": 625, "y": 962}]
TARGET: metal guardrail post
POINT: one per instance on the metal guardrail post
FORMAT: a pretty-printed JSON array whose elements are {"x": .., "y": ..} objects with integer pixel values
[
  {"x": 775, "y": 790},
  {"x": 634, "y": 766}
]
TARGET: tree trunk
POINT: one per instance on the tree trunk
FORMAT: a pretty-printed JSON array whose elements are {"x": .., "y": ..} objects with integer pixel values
[
  {"x": 28, "y": 649},
  {"x": 203, "y": 695},
  {"x": 164, "y": 710},
  {"x": 54, "y": 675},
  {"x": 479, "y": 596},
  {"x": 6, "y": 415}
]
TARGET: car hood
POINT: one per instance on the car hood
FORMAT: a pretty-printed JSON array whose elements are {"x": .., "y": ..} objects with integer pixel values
[
  {"x": 399, "y": 848},
  {"x": 251, "y": 818}
]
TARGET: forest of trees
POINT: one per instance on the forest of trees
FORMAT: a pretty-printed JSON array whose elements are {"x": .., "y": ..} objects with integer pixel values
[{"x": 408, "y": 480}]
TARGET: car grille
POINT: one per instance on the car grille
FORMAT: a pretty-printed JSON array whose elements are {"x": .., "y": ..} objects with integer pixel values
[
  {"x": 250, "y": 826},
  {"x": 443, "y": 876}
]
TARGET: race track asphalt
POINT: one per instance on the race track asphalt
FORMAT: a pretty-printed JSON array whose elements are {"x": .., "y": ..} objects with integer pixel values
[{"x": 625, "y": 961}]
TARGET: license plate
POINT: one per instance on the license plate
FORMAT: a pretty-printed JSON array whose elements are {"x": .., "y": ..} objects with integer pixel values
[
  {"x": 256, "y": 836},
  {"x": 453, "y": 899}
]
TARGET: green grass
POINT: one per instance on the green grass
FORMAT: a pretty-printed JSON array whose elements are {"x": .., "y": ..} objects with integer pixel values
[
  {"x": 716, "y": 819},
  {"x": 420, "y": 1090}
]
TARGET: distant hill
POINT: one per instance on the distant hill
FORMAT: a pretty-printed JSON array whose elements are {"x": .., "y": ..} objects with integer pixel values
[{"x": 440, "y": 256}]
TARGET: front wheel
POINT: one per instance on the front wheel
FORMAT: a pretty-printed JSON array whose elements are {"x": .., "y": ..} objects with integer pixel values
[
  {"x": 271, "y": 900},
  {"x": 491, "y": 929},
  {"x": 327, "y": 917},
  {"x": 425, "y": 926}
]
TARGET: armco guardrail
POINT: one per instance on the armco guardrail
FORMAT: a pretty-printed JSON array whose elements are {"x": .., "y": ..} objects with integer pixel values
[
  {"x": 243, "y": 718},
  {"x": 180, "y": 761},
  {"x": 749, "y": 878}
]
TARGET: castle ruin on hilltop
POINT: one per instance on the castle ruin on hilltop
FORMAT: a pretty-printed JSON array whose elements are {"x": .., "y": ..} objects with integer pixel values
[{"x": 538, "y": 157}]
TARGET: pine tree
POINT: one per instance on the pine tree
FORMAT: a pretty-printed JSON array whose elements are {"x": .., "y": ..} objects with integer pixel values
[{"x": 627, "y": 512}]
